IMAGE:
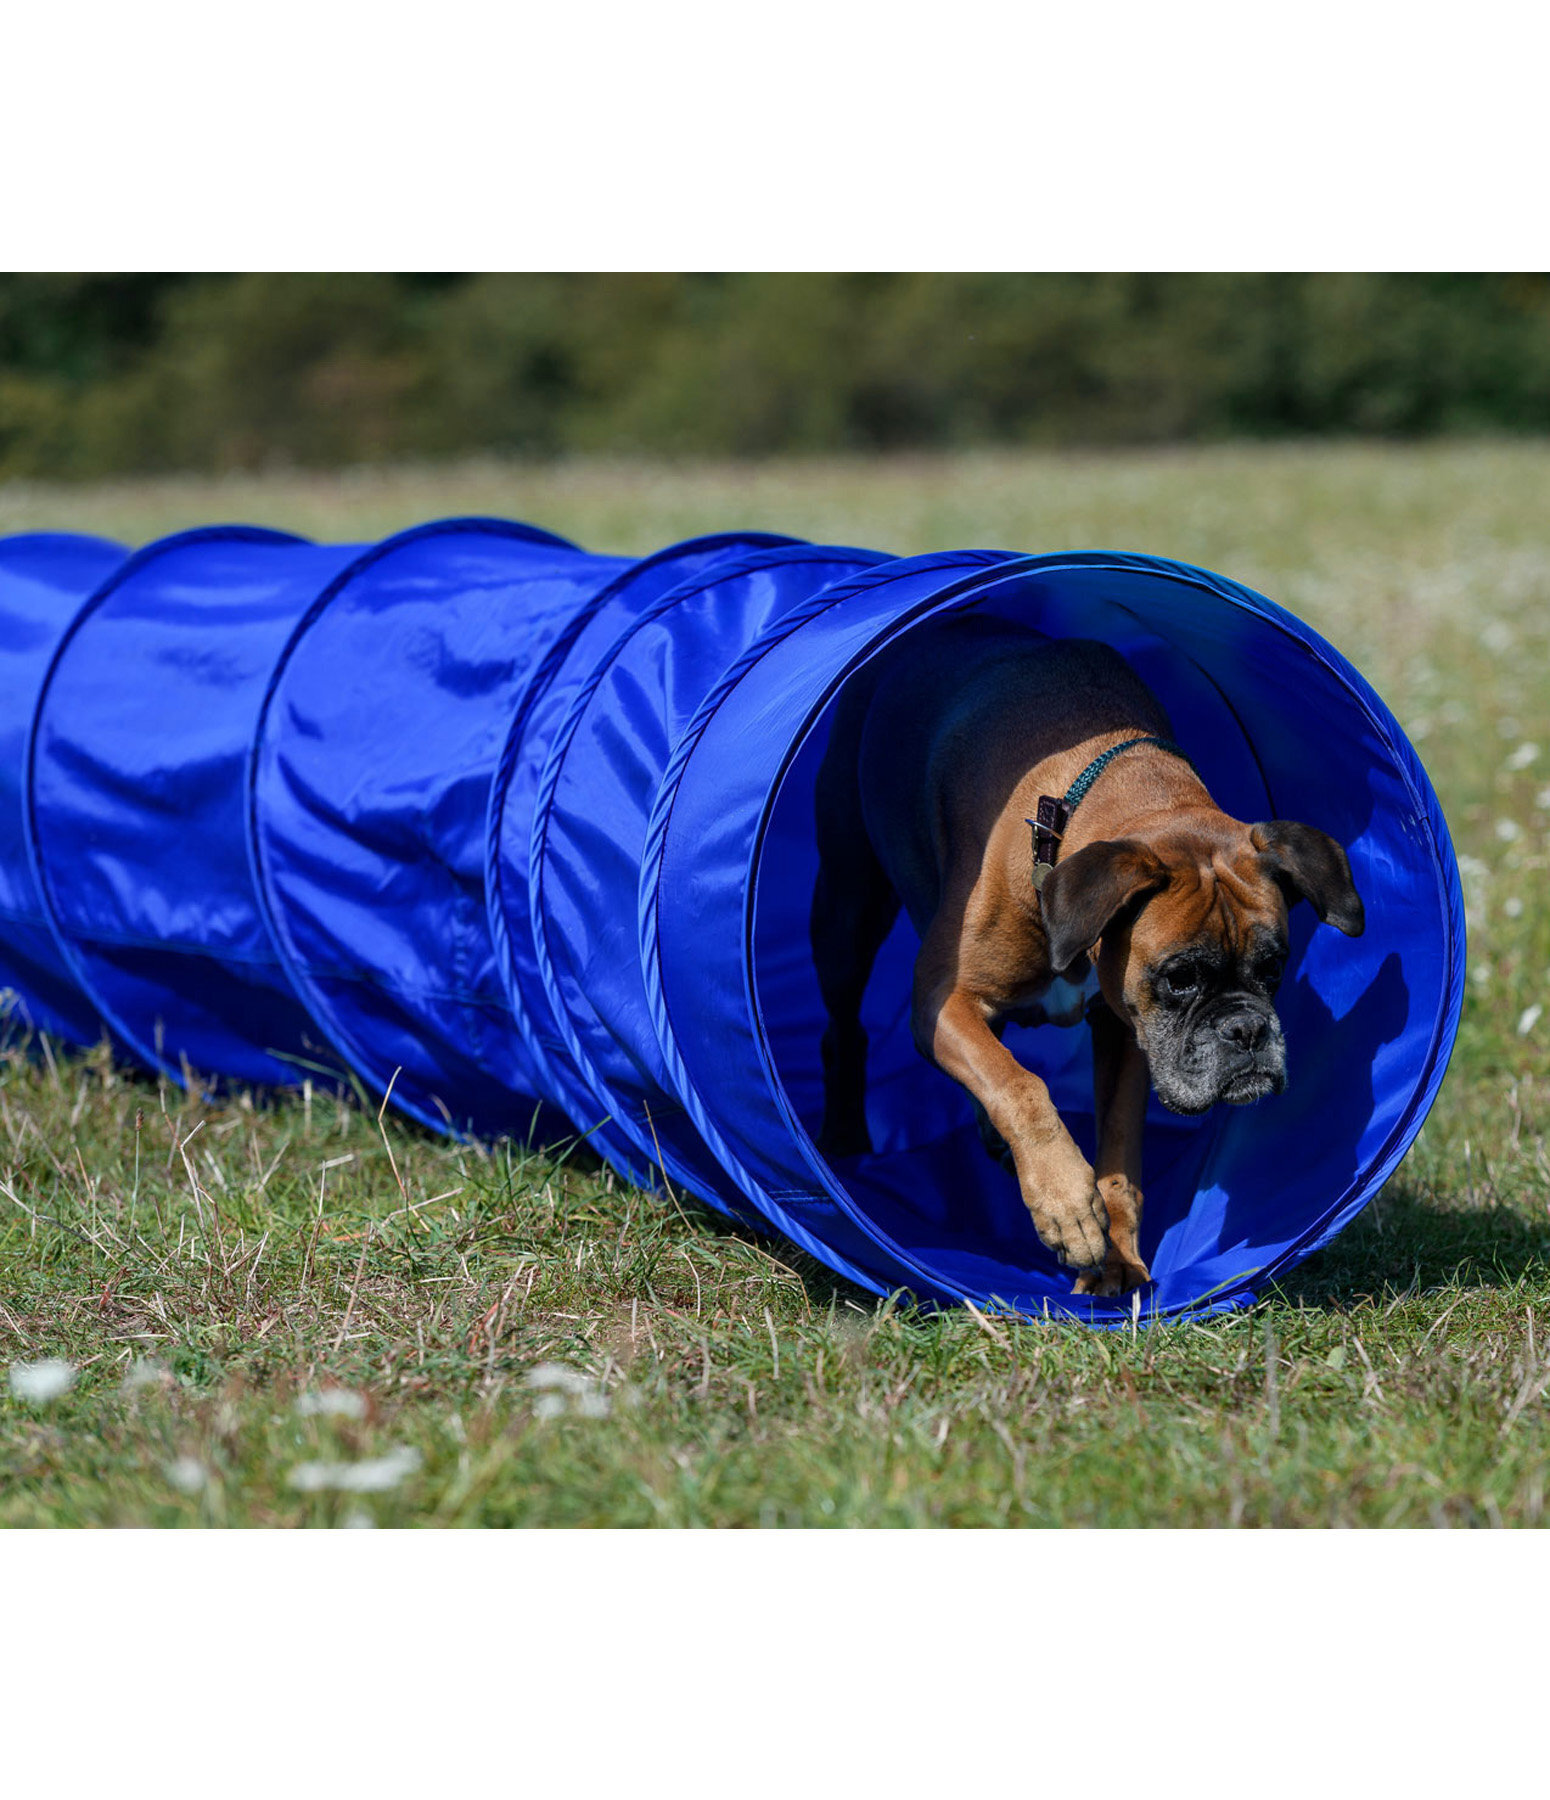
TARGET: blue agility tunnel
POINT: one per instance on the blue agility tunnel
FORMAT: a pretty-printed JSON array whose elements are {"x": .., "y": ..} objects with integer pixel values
[
  {"x": 525, "y": 836},
  {"x": 583, "y": 849},
  {"x": 138, "y": 832},
  {"x": 375, "y": 749},
  {"x": 45, "y": 579},
  {"x": 1279, "y": 725}
]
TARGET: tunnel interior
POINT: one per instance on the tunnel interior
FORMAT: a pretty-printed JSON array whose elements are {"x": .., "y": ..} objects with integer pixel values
[{"x": 1277, "y": 730}]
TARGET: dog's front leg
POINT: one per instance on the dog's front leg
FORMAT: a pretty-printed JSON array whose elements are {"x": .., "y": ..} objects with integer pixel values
[
  {"x": 1120, "y": 1084},
  {"x": 952, "y": 1029}
]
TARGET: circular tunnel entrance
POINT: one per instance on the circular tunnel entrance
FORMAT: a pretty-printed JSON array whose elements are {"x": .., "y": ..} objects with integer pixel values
[{"x": 1279, "y": 727}]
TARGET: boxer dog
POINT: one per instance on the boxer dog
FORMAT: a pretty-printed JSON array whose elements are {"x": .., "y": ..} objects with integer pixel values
[{"x": 1133, "y": 898}]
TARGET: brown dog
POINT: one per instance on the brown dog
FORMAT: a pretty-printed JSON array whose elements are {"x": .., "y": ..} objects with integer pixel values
[{"x": 941, "y": 752}]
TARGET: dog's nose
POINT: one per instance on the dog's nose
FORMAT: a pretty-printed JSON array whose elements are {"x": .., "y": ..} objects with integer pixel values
[{"x": 1247, "y": 1030}]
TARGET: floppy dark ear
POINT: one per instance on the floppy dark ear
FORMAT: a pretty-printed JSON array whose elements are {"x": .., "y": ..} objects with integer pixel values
[
  {"x": 1082, "y": 895},
  {"x": 1312, "y": 864}
]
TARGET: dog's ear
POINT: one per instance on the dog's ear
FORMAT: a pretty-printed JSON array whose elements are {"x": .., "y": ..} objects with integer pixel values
[
  {"x": 1311, "y": 864},
  {"x": 1083, "y": 895}
]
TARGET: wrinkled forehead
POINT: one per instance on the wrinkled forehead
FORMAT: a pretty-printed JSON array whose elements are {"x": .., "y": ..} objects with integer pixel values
[{"x": 1222, "y": 896}]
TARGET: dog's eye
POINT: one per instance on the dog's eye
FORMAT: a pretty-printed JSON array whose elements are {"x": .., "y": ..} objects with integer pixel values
[
  {"x": 1270, "y": 972},
  {"x": 1180, "y": 980}
]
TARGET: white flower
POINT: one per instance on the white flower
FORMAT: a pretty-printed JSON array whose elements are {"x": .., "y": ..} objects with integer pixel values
[
  {"x": 43, "y": 1381},
  {"x": 558, "y": 1375},
  {"x": 188, "y": 1475},
  {"x": 144, "y": 1371},
  {"x": 1513, "y": 907},
  {"x": 340, "y": 1403},
  {"x": 1529, "y": 1018},
  {"x": 1497, "y": 636},
  {"x": 1508, "y": 830},
  {"x": 1480, "y": 973},
  {"x": 1523, "y": 756},
  {"x": 370, "y": 1477},
  {"x": 1542, "y": 799},
  {"x": 563, "y": 1390}
]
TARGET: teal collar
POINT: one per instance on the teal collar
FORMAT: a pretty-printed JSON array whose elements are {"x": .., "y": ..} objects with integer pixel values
[{"x": 1055, "y": 815}]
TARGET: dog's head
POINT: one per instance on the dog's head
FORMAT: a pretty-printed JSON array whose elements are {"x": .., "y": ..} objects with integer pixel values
[{"x": 1187, "y": 927}]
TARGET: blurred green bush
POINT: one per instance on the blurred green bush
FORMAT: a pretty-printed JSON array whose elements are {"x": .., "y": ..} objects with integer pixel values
[{"x": 105, "y": 374}]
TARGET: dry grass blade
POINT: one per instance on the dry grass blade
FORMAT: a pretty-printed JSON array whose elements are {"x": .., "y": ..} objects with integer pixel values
[
  {"x": 386, "y": 1141},
  {"x": 991, "y": 1331},
  {"x": 1533, "y": 1386},
  {"x": 355, "y": 1288}
]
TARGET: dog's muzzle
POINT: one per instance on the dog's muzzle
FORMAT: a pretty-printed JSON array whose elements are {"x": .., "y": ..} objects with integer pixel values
[{"x": 1235, "y": 1058}]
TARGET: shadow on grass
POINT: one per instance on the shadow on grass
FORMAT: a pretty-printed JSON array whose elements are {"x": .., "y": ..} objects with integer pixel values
[
  {"x": 1405, "y": 1241},
  {"x": 1402, "y": 1243}
]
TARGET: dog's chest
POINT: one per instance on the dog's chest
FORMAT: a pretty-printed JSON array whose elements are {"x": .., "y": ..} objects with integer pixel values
[{"x": 1061, "y": 1003}]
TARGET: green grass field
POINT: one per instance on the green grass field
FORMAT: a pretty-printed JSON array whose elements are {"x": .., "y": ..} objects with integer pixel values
[{"x": 213, "y": 1269}]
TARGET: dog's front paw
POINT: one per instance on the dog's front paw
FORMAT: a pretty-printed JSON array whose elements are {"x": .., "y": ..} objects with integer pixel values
[{"x": 1069, "y": 1214}]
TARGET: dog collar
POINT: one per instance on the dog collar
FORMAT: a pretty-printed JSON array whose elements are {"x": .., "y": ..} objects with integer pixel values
[{"x": 1055, "y": 815}]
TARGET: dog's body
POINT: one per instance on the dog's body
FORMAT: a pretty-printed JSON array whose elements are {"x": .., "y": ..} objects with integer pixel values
[{"x": 939, "y": 755}]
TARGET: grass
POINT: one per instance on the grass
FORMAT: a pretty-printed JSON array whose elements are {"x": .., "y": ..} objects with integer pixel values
[{"x": 211, "y": 1267}]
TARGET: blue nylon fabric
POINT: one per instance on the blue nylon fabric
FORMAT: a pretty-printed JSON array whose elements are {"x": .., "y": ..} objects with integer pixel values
[
  {"x": 717, "y": 1092},
  {"x": 377, "y": 746},
  {"x": 1280, "y": 726},
  {"x": 45, "y": 578},
  {"x": 139, "y": 833},
  {"x": 589, "y": 836},
  {"x": 536, "y": 718}
]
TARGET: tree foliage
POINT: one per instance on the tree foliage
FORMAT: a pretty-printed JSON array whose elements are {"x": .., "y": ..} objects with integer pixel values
[{"x": 103, "y": 374}]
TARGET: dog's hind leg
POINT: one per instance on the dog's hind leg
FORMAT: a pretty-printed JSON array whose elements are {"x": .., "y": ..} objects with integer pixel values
[
  {"x": 854, "y": 907},
  {"x": 1120, "y": 1085}
]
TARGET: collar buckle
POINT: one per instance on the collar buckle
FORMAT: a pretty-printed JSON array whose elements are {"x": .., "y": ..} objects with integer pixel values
[{"x": 1049, "y": 827}]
